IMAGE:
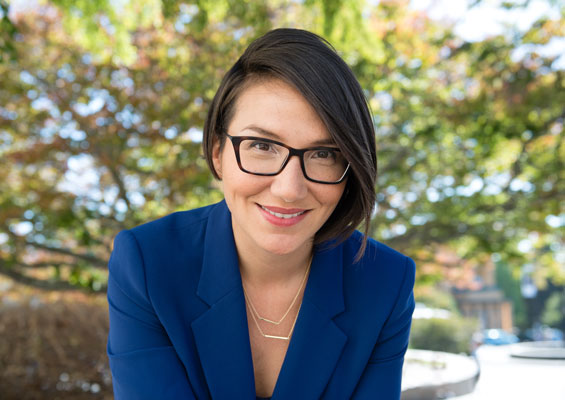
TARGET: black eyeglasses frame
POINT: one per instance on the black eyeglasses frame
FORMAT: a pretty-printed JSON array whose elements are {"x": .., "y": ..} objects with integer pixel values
[{"x": 236, "y": 141}]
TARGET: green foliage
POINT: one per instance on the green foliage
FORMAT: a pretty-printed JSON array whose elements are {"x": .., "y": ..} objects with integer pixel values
[
  {"x": 554, "y": 310},
  {"x": 7, "y": 35},
  {"x": 437, "y": 298},
  {"x": 510, "y": 286},
  {"x": 99, "y": 124},
  {"x": 452, "y": 335},
  {"x": 104, "y": 28}
]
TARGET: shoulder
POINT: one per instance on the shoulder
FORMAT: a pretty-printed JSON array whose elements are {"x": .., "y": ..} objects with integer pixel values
[
  {"x": 168, "y": 240},
  {"x": 382, "y": 276},
  {"x": 161, "y": 256}
]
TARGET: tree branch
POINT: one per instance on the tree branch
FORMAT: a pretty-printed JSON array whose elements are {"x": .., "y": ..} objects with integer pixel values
[
  {"x": 121, "y": 187},
  {"x": 95, "y": 261},
  {"x": 41, "y": 284}
]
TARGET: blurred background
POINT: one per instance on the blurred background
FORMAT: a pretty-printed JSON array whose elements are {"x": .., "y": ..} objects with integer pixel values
[{"x": 102, "y": 105}]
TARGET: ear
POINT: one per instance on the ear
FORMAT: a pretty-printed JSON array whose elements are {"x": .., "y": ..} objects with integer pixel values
[{"x": 217, "y": 157}]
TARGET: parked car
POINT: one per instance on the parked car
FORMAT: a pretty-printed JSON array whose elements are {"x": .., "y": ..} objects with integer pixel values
[
  {"x": 543, "y": 333},
  {"x": 498, "y": 337}
]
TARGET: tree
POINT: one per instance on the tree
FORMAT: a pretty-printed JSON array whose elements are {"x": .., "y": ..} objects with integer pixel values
[
  {"x": 554, "y": 309},
  {"x": 470, "y": 138},
  {"x": 7, "y": 34},
  {"x": 510, "y": 286},
  {"x": 474, "y": 146}
]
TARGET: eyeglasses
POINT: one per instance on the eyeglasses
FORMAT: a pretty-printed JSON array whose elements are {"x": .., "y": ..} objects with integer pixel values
[{"x": 266, "y": 157}]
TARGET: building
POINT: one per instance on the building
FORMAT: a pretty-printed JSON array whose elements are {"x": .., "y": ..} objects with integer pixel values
[{"x": 486, "y": 304}]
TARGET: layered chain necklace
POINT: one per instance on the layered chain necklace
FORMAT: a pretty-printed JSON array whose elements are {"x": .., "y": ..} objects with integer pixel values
[{"x": 256, "y": 317}]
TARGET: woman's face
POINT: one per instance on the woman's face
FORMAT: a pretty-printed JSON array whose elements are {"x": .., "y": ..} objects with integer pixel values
[{"x": 279, "y": 214}]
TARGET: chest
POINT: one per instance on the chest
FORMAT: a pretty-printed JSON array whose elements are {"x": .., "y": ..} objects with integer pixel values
[
  {"x": 267, "y": 362},
  {"x": 268, "y": 354}
]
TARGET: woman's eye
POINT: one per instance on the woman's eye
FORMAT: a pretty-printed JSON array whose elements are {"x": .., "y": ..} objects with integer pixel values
[
  {"x": 324, "y": 154},
  {"x": 263, "y": 146}
]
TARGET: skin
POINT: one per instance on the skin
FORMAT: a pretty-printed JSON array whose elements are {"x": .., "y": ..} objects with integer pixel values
[
  {"x": 273, "y": 106},
  {"x": 274, "y": 252}
]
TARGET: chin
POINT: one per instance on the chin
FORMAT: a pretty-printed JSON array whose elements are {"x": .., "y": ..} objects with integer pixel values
[{"x": 281, "y": 246}]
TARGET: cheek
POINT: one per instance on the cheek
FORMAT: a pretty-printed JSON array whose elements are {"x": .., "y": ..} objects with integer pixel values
[
  {"x": 330, "y": 196},
  {"x": 238, "y": 184}
]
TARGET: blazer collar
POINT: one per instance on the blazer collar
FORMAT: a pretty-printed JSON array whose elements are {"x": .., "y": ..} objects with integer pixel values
[
  {"x": 222, "y": 335},
  {"x": 220, "y": 270}
]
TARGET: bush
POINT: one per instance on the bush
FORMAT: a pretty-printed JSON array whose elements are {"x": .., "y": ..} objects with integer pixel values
[
  {"x": 436, "y": 298},
  {"x": 451, "y": 335},
  {"x": 54, "y": 349}
]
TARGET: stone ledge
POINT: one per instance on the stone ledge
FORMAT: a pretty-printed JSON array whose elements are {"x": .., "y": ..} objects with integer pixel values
[
  {"x": 431, "y": 375},
  {"x": 549, "y": 350}
]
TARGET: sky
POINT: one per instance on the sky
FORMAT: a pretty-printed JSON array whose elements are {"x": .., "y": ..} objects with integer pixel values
[{"x": 486, "y": 18}]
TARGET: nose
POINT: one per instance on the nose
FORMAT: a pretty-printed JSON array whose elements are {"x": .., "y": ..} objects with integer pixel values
[{"x": 290, "y": 184}]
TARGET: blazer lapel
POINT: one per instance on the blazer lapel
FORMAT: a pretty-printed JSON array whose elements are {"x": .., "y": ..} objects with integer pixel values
[
  {"x": 221, "y": 333},
  {"x": 317, "y": 342}
]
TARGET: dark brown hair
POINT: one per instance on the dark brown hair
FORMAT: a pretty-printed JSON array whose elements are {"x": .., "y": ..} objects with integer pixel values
[{"x": 311, "y": 65}]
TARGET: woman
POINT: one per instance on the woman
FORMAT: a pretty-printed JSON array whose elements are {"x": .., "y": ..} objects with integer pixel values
[{"x": 271, "y": 292}]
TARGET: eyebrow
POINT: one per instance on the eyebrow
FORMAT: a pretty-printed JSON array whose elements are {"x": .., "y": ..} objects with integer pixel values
[{"x": 274, "y": 136}]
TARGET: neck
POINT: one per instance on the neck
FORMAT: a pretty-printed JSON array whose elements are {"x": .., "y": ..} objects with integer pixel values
[{"x": 262, "y": 268}]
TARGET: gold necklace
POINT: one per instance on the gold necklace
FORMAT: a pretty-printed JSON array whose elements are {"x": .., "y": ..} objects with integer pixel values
[
  {"x": 265, "y": 335},
  {"x": 289, "y": 307},
  {"x": 255, "y": 314}
]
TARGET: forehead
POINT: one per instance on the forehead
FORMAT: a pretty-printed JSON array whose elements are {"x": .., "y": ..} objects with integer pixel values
[{"x": 275, "y": 109}]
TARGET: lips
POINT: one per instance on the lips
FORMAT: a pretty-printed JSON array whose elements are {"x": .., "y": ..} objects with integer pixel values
[
  {"x": 283, "y": 216},
  {"x": 283, "y": 212}
]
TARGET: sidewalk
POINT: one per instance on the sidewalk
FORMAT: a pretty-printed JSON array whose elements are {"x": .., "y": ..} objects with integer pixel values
[{"x": 504, "y": 377}]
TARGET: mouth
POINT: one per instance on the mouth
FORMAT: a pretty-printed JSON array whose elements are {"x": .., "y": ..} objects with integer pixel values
[{"x": 283, "y": 213}]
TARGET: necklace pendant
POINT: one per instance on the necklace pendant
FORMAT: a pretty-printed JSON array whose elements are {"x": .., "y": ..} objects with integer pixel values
[{"x": 276, "y": 337}]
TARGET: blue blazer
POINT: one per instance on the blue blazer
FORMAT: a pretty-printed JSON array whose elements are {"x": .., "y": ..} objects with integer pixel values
[{"x": 178, "y": 322}]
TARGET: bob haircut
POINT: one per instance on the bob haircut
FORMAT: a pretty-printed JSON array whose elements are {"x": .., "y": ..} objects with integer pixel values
[{"x": 311, "y": 65}]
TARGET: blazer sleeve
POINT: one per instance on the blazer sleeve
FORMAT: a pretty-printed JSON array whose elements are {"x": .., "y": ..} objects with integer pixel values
[
  {"x": 143, "y": 362},
  {"x": 383, "y": 373}
]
